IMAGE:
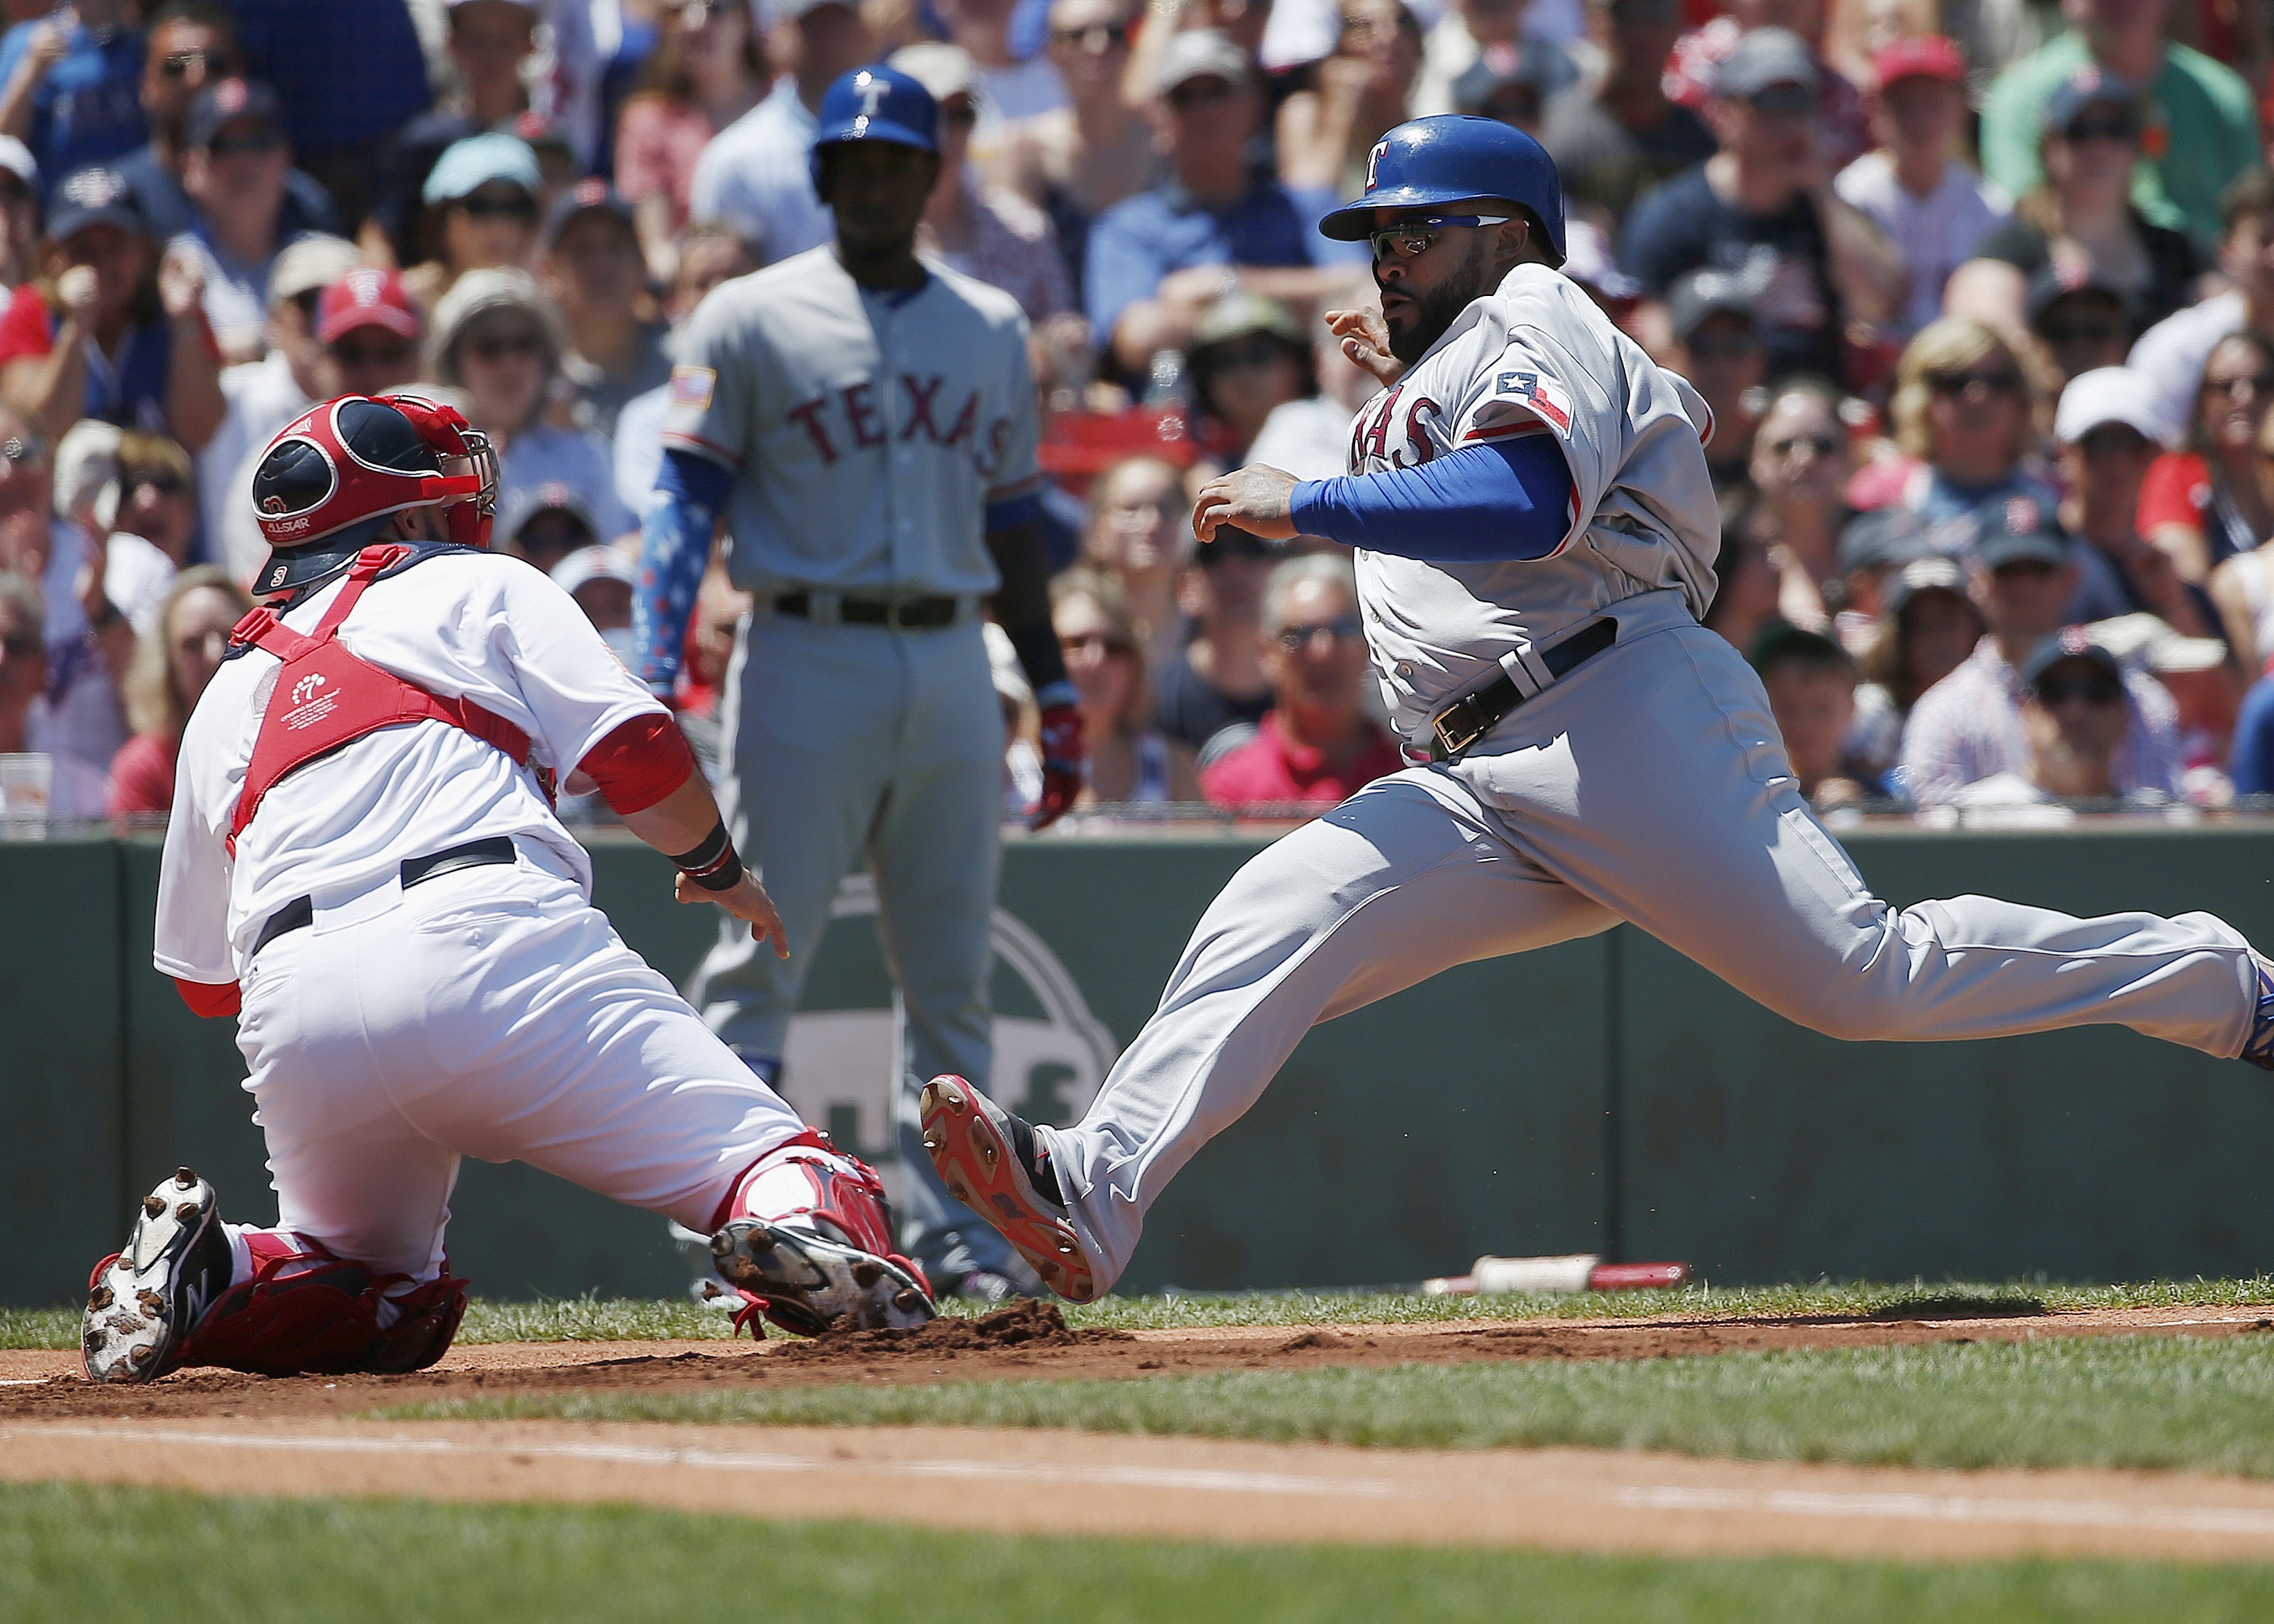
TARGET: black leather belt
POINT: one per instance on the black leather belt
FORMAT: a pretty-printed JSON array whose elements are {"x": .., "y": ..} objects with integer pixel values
[
  {"x": 474, "y": 854},
  {"x": 903, "y": 614},
  {"x": 1472, "y": 715}
]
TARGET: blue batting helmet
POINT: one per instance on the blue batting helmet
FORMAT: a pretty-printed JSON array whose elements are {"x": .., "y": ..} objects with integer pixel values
[
  {"x": 1454, "y": 158},
  {"x": 875, "y": 104}
]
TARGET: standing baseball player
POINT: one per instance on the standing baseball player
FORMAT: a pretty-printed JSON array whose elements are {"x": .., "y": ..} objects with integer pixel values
[
  {"x": 1535, "y": 534},
  {"x": 866, "y": 422},
  {"x": 364, "y": 866}
]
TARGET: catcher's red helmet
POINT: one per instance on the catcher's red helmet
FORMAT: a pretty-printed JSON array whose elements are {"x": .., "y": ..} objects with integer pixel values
[{"x": 337, "y": 473}]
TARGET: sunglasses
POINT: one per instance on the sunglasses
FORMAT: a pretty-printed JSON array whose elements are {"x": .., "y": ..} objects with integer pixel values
[
  {"x": 306, "y": 300},
  {"x": 21, "y": 645},
  {"x": 1783, "y": 101},
  {"x": 178, "y": 65},
  {"x": 2257, "y": 383},
  {"x": 371, "y": 355},
  {"x": 2052, "y": 692},
  {"x": 500, "y": 348},
  {"x": 1194, "y": 91},
  {"x": 1098, "y": 38},
  {"x": 1080, "y": 642},
  {"x": 1230, "y": 545},
  {"x": 1344, "y": 628},
  {"x": 1731, "y": 347},
  {"x": 519, "y": 206},
  {"x": 165, "y": 484},
  {"x": 1823, "y": 445},
  {"x": 252, "y": 143},
  {"x": 2102, "y": 130},
  {"x": 1258, "y": 350},
  {"x": 962, "y": 112},
  {"x": 1959, "y": 383},
  {"x": 2114, "y": 441},
  {"x": 1410, "y": 240}
]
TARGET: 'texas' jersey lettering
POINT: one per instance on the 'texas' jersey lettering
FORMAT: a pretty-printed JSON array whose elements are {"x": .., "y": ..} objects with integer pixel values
[
  {"x": 1410, "y": 417},
  {"x": 852, "y": 418}
]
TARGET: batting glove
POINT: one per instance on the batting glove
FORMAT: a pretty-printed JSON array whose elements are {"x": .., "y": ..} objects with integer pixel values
[{"x": 1063, "y": 761}]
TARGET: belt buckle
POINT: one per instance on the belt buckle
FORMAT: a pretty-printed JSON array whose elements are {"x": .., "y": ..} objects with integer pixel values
[
  {"x": 1452, "y": 738},
  {"x": 896, "y": 613}
]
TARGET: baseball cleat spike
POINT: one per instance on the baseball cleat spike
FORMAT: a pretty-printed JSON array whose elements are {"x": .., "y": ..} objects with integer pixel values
[
  {"x": 144, "y": 1302},
  {"x": 977, "y": 1161},
  {"x": 812, "y": 1283}
]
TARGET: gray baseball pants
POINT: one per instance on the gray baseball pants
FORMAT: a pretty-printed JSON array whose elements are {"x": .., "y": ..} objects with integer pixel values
[
  {"x": 860, "y": 743},
  {"x": 1649, "y": 785}
]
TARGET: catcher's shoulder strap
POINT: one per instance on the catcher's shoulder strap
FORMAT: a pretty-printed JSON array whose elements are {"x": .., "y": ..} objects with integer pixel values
[{"x": 327, "y": 697}]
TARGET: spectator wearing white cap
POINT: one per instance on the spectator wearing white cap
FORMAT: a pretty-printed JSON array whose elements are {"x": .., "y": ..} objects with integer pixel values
[
  {"x": 1158, "y": 260},
  {"x": 983, "y": 231},
  {"x": 264, "y": 395},
  {"x": 600, "y": 579},
  {"x": 2109, "y": 434},
  {"x": 757, "y": 174},
  {"x": 497, "y": 337},
  {"x": 136, "y": 572}
]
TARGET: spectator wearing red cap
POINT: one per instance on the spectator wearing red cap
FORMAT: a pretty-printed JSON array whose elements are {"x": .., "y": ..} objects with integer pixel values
[
  {"x": 1913, "y": 184},
  {"x": 370, "y": 331},
  {"x": 266, "y": 394}
]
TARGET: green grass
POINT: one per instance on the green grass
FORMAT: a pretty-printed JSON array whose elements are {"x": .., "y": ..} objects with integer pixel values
[
  {"x": 622, "y": 1319},
  {"x": 81, "y": 1554},
  {"x": 2187, "y": 1404}
]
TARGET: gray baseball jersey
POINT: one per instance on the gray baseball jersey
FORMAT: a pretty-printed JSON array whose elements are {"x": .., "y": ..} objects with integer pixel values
[
  {"x": 1536, "y": 356},
  {"x": 869, "y": 431}
]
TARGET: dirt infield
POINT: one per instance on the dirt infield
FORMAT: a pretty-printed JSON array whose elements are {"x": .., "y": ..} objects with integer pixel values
[{"x": 224, "y": 1432}]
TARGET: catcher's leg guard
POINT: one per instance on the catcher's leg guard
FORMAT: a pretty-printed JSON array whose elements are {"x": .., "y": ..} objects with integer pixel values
[
  {"x": 807, "y": 1239},
  {"x": 305, "y": 1312},
  {"x": 144, "y": 1303}
]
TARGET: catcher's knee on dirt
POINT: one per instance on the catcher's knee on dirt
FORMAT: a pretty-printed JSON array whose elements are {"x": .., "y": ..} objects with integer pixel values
[{"x": 311, "y": 1315}]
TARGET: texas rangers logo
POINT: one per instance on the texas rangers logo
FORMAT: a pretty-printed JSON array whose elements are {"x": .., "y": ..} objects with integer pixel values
[
  {"x": 872, "y": 92},
  {"x": 1374, "y": 162}
]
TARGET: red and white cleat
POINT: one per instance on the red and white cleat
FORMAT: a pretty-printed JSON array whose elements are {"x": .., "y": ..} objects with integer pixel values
[
  {"x": 812, "y": 1249},
  {"x": 972, "y": 1142}
]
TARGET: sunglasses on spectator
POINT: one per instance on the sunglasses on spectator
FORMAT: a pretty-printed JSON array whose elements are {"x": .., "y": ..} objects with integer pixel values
[
  {"x": 1824, "y": 445},
  {"x": 1783, "y": 101},
  {"x": 1728, "y": 347},
  {"x": 1097, "y": 38},
  {"x": 2000, "y": 382},
  {"x": 1344, "y": 628},
  {"x": 306, "y": 300},
  {"x": 2052, "y": 692},
  {"x": 380, "y": 354},
  {"x": 21, "y": 645},
  {"x": 1231, "y": 544},
  {"x": 517, "y": 205},
  {"x": 500, "y": 346},
  {"x": 2258, "y": 383},
  {"x": 2102, "y": 129},
  {"x": 2115, "y": 440},
  {"x": 961, "y": 111},
  {"x": 2079, "y": 331},
  {"x": 249, "y": 142},
  {"x": 178, "y": 65},
  {"x": 1111, "y": 643},
  {"x": 1410, "y": 240},
  {"x": 1257, "y": 349},
  {"x": 13, "y": 190},
  {"x": 165, "y": 482},
  {"x": 1193, "y": 92}
]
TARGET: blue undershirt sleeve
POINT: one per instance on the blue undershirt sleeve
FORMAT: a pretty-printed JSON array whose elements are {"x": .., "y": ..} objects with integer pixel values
[
  {"x": 1506, "y": 500},
  {"x": 675, "y": 547}
]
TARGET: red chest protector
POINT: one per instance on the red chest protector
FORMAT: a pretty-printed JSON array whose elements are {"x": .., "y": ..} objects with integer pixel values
[{"x": 327, "y": 697}]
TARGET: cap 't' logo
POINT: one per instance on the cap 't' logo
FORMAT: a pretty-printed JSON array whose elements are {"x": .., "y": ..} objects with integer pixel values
[
  {"x": 873, "y": 91},
  {"x": 1374, "y": 163}
]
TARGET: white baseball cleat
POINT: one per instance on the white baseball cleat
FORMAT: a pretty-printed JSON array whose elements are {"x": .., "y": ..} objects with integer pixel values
[
  {"x": 806, "y": 1283},
  {"x": 145, "y": 1301},
  {"x": 974, "y": 1143}
]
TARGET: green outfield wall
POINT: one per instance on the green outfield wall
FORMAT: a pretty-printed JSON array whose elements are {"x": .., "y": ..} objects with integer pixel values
[{"x": 1604, "y": 1096}]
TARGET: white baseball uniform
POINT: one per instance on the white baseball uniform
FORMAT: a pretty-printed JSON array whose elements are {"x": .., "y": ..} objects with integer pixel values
[
  {"x": 490, "y": 1012},
  {"x": 1648, "y": 784},
  {"x": 869, "y": 434}
]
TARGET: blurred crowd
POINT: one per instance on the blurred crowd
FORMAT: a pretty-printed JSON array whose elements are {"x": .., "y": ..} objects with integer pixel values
[{"x": 1981, "y": 294}]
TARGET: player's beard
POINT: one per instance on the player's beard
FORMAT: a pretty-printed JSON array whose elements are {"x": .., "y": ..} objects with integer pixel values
[{"x": 1435, "y": 310}]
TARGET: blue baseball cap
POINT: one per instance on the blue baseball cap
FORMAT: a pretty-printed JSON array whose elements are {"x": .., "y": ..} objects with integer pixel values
[
  {"x": 878, "y": 104},
  {"x": 1453, "y": 158},
  {"x": 93, "y": 195},
  {"x": 467, "y": 166}
]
